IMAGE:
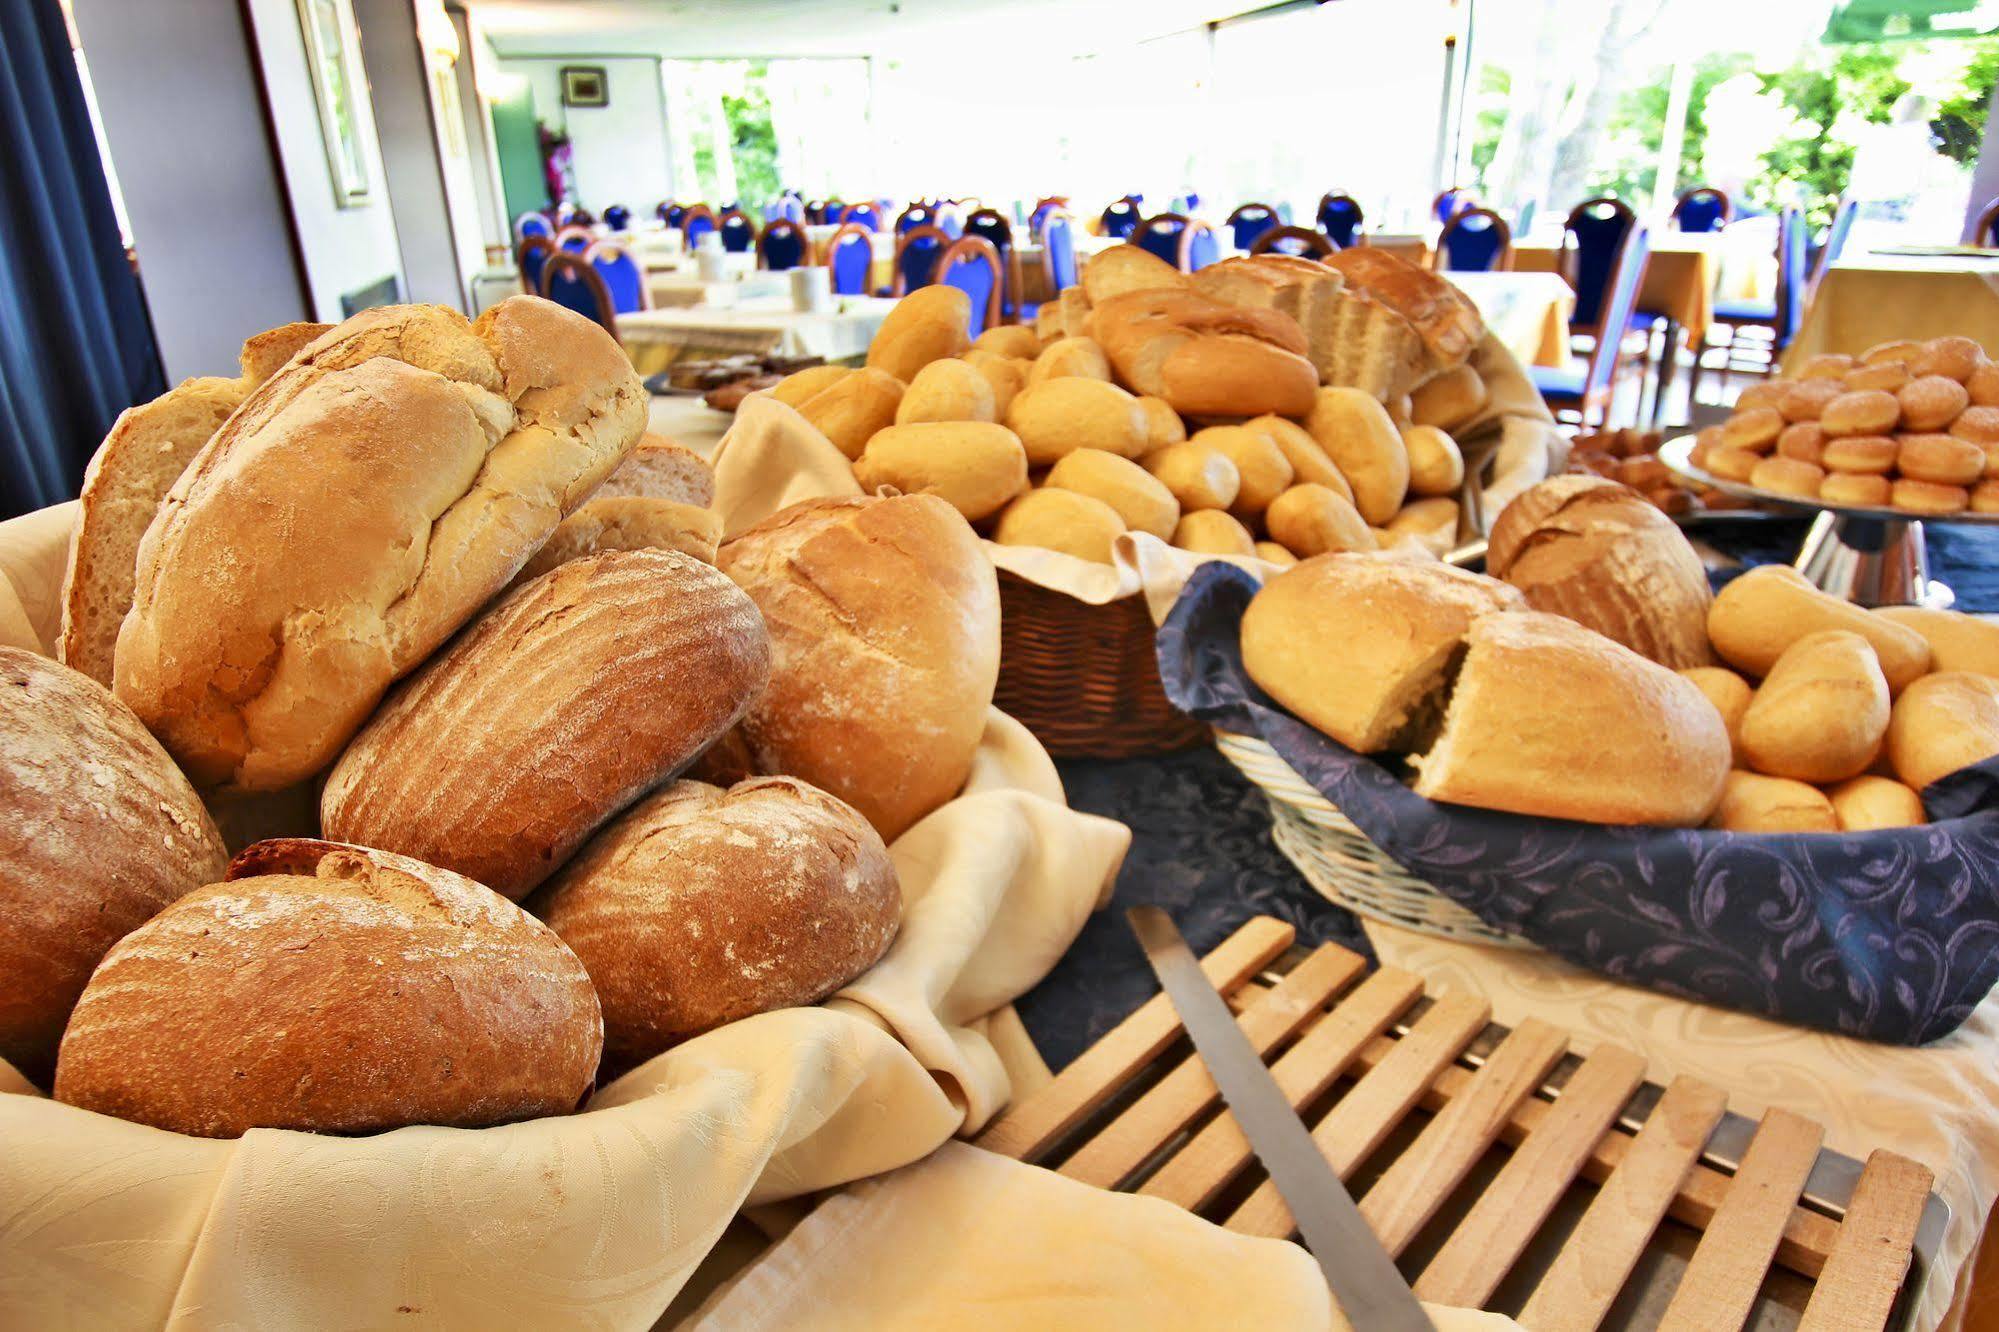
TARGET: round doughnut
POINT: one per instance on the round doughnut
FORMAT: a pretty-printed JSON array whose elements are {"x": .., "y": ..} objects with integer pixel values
[
  {"x": 1788, "y": 476},
  {"x": 1732, "y": 464},
  {"x": 1896, "y": 352},
  {"x": 1984, "y": 385},
  {"x": 1928, "y": 497},
  {"x": 1980, "y": 425},
  {"x": 1954, "y": 358},
  {"x": 1887, "y": 376},
  {"x": 1931, "y": 402},
  {"x": 1985, "y": 497},
  {"x": 1804, "y": 441},
  {"x": 1853, "y": 488},
  {"x": 1827, "y": 365},
  {"x": 1869, "y": 412},
  {"x": 1942, "y": 459},
  {"x": 1756, "y": 429},
  {"x": 1873, "y": 455},
  {"x": 1766, "y": 393},
  {"x": 1804, "y": 400}
]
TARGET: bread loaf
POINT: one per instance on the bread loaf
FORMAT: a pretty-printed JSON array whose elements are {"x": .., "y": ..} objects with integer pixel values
[
  {"x": 1357, "y": 434},
  {"x": 1395, "y": 325},
  {"x": 564, "y": 703},
  {"x": 1958, "y": 642},
  {"x": 1772, "y": 606},
  {"x": 948, "y": 390},
  {"x": 1310, "y": 463},
  {"x": 1062, "y": 520},
  {"x": 884, "y": 623},
  {"x": 1941, "y": 723},
  {"x": 659, "y": 468},
  {"x": 1729, "y": 693},
  {"x": 1603, "y": 555},
  {"x": 1821, "y": 713},
  {"x": 1141, "y": 500},
  {"x": 927, "y": 325},
  {"x": 1199, "y": 477},
  {"x": 1753, "y": 803},
  {"x": 627, "y": 522},
  {"x": 1011, "y": 340},
  {"x": 1005, "y": 376},
  {"x": 333, "y": 989},
  {"x": 1302, "y": 290},
  {"x": 1058, "y": 416},
  {"x": 98, "y": 831},
  {"x": 973, "y": 466},
  {"x": 1449, "y": 399},
  {"x": 1261, "y": 467},
  {"x": 1314, "y": 520},
  {"x": 1206, "y": 358},
  {"x": 1126, "y": 268},
  {"x": 1066, "y": 357},
  {"x": 355, "y": 511},
  {"x": 851, "y": 410},
  {"x": 1163, "y": 426},
  {"x": 702, "y": 906},
  {"x": 1436, "y": 467}
]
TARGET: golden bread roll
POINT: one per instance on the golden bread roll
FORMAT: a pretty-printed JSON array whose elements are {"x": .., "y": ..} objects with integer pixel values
[
  {"x": 1868, "y": 412},
  {"x": 1788, "y": 476},
  {"x": 1312, "y": 520},
  {"x": 1826, "y": 366},
  {"x": 1942, "y": 459},
  {"x": 1979, "y": 425},
  {"x": 1899, "y": 351},
  {"x": 851, "y": 409},
  {"x": 1955, "y": 358},
  {"x": 1433, "y": 522},
  {"x": 627, "y": 522},
  {"x": 1263, "y": 470},
  {"x": 1864, "y": 455},
  {"x": 947, "y": 390},
  {"x": 1868, "y": 802},
  {"x": 1212, "y": 532},
  {"x": 1889, "y": 376},
  {"x": 1401, "y": 409},
  {"x": 1275, "y": 554},
  {"x": 1765, "y": 393},
  {"x": 1080, "y": 357},
  {"x": 1435, "y": 465},
  {"x": 1309, "y": 462},
  {"x": 1928, "y": 497},
  {"x": 1062, "y": 520},
  {"x": 974, "y": 466},
  {"x": 1205, "y": 357},
  {"x": 927, "y": 325},
  {"x": 1958, "y": 642},
  {"x": 1732, "y": 464},
  {"x": 1198, "y": 476},
  {"x": 800, "y": 387},
  {"x": 1058, "y": 416},
  {"x": 1943, "y": 722},
  {"x": 1011, "y": 340},
  {"x": 1856, "y": 488},
  {"x": 1983, "y": 385},
  {"x": 1004, "y": 375},
  {"x": 1754, "y": 430},
  {"x": 1762, "y": 612},
  {"x": 1448, "y": 400},
  {"x": 1753, "y": 803},
  {"x": 1163, "y": 426},
  {"x": 1807, "y": 399},
  {"x": 1358, "y": 435},
  {"x": 1729, "y": 693},
  {"x": 1141, "y": 500},
  {"x": 1931, "y": 402},
  {"x": 1985, "y": 496},
  {"x": 1126, "y": 268},
  {"x": 1820, "y": 714},
  {"x": 1804, "y": 441}
]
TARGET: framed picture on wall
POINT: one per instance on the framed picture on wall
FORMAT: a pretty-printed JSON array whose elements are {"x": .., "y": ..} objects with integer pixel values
[
  {"x": 334, "y": 61},
  {"x": 585, "y": 85}
]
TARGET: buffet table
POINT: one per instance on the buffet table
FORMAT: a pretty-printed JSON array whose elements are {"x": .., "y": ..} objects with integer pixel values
[
  {"x": 1867, "y": 298},
  {"x": 655, "y": 339}
]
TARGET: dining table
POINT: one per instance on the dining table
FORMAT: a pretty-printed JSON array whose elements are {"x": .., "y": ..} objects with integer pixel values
[
  {"x": 763, "y": 325},
  {"x": 1872, "y": 296}
]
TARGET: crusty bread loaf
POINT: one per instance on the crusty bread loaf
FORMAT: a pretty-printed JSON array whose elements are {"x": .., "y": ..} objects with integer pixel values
[
  {"x": 355, "y": 511},
  {"x": 334, "y": 989},
  {"x": 1603, "y": 555},
  {"x": 884, "y": 625},
  {"x": 1551, "y": 719},
  {"x": 660, "y": 468},
  {"x": 627, "y": 522},
  {"x": 1360, "y": 646},
  {"x": 98, "y": 831},
  {"x": 1941, "y": 723},
  {"x": 133, "y": 469},
  {"x": 561, "y": 705},
  {"x": 1395, "y": 325},
  {"x": 1204, "y": 357},
  {"x": 1301, "y": 289},
  {"x": 1764, "y": 611},
  {"x": 1125, "y": 268},
  {"x": 701, "y": 906}
]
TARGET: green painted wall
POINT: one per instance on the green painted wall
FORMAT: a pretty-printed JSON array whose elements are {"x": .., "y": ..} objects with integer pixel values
[{"x": 519, "y": 150}]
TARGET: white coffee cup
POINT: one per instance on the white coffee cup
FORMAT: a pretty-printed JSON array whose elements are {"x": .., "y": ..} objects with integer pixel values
[{"x": 811, "y": 289}]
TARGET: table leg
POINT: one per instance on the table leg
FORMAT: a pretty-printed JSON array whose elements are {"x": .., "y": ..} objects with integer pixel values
[{"x": 1669, "y": 360}]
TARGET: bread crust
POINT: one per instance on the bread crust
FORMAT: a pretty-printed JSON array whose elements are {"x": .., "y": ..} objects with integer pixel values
[
  {"x": 626, "y": 522},
  {"x": 661, "y": 468},
  {"x": 1206, "y": 358}
]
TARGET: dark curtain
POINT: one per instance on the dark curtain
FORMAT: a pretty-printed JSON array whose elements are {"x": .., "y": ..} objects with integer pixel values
[{"x": 76, "y": 347}]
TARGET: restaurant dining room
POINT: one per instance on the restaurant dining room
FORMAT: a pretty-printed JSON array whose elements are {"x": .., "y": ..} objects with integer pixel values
[{"x": 743, "y": 665}]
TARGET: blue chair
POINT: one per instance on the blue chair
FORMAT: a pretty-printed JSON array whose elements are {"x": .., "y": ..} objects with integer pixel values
[
  {"x": 533, "y": 224},
  {"x": 1048, "y": 203},
  {"x": 863, "y": 214},
  {"x": 1702, "y": 208},
  {"x": 1781, "y": 315},
  {"x": 1593, "y": 237},
  {"x": 1835, "y": 244},
  {"x": 950, "y": 219},
  {"x": 916, "y": 256},
  {"x": 1199, "y": 246},
  {"x": 624, "y": 279},
  {"x": 1475, "y": 241},
  {"x": 739, "y": 234},
  {"x": 672, "y": 213},
  {"x": 1449, "y": 203},
  {"x": 570, "y": 281},
  {"x": 1589, "y": 390},
  {"x": 1161, "y": 235},
  {"x": 574, "y": 239},
  {"x": 780, "y": 246},
  {"x": 990, "y": 225},
  {"x": 916, "y": 215},
  {"x": 696, "y": 222},
  {"x": 1249, "y": 221},
  {"x": 531, "y": 257},
  {"x": 1118, "y": 220},
  {"x": 1298, "y": 242},
  {"x": 1339, "y": 216},
  {"x": 791, "y": 209},
  {"x": 972, "y": 265},
  {"x": 1058, "y": 253},
  {"x": 618, "y": 217},
  {"x": 850, "y": 257},
  {"x": 830, "y": 211}
]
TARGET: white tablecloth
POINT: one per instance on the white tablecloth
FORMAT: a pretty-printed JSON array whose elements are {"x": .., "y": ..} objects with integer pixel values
[{"x": 654, "y": 338}]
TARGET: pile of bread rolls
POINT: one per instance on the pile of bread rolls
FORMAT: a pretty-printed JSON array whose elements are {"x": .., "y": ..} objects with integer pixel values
[
  {"x": 1904, "y": 425},
  {"x": 413, "y": 610},
  {"x": 1632, "y": 457},
  {"x": 1265, "y": 406}
]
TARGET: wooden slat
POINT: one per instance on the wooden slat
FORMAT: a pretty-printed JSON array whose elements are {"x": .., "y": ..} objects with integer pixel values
[
  {"x": 1204, "y": 1166},
  {"x": 1369, "y": 1112},
  {"x": 1484, "y": 1246},
  {"x": 1592, "y": 1267},
  {"x": 1411, "y": 1190},
  {"x": 1864, "y": 1272},
  {"x": 1719, "y": 1286},
  {"x": 1026, "y": 1130},
  {"x": 1184, "y": 1094}
]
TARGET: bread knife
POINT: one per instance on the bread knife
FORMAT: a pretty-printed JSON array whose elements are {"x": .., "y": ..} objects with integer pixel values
[{"x": 1371, "y": 1292}]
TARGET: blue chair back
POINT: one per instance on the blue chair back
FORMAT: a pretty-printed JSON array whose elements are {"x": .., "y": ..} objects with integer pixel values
[
  {"x": 1597, "y": 228},
  {"x": 916, "y": 215},
  {"x": 1052, "y": 203},
  {"x": 781, "y": 246},
  {"x": 1159, "y": 235},
  {"x": 532, "y": 257},
  {"x": 991, "y": 226},
  {"x": 1339, "y": 216},
  {"x": 791, "y": 208},
  {"x": 1702, "y": 208},
  {"x": 624, "y": 278},
  {"x": 1199, "y": 246},
  {"x": 1835, "y": 241},
  {"x": 916, "y": 256},
  {"x": 1627, "y": 276},
  {"x": 570, "y": 281},
  {"x": 1119, "y": 220},
  {"x": 950, "y": 220},
  {"x": 1475, "y": 241},
  {"x": 738, "y": 232},
  {"x": 1450, "y": 203},
  {"x": 831, "y": 210},
  {"x": 972, "y": 265},
  {"x": 1298, "y": 242},
  {"x": 695, "y": 223},
  {"x": 1249, "y": 221},
  {"x": 850, "y": 255},
  {"x": 532, "y": 224},
  {"x": 863, "y": 214},
  {"x": 618, "y": 217},
  {"x": 1058, "y": 249},
  {"x": 1793, "y": 275},
  {"x": 672, "y": 213},
  {"x": 574, "y": 239}
]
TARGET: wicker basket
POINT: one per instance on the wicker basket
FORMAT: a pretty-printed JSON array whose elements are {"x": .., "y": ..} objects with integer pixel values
[
  {"x": 1339, "y": 861},
  {"x": 1083, "y": 678}
]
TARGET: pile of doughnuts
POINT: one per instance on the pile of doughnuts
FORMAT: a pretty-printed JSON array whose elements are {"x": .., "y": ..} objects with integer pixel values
[{"x": 1904, "y": 425}]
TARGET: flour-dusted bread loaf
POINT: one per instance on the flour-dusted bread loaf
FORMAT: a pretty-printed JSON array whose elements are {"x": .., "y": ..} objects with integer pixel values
[
  {"x": 148, "y": 448},
  {"x": 354, "y": 512},
  {"x": 566, "y": 701},
  {"x": 627, "y": 522},
  {"x": 884, "y": 626},
  {"x": 334, "y": 989},
  {"x": 663, "y": 469},
  {"x": 1302, "y": 289},
  {"x": 1606, "y": 557},
  {"x": 98, "y": 831},
  {"x": 1206, "y": 357},
  {"x": 701, "y": 906}
]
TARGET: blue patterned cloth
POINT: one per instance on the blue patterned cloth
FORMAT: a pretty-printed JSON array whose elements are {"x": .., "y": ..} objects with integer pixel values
[{"x": 1892, "y": 936}]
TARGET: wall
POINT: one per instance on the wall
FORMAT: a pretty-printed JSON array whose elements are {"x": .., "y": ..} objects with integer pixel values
[
  {"x": 485, "y": 165},
  {"x": 621, "y": 150},
  {"x": 400, "y": 86}
]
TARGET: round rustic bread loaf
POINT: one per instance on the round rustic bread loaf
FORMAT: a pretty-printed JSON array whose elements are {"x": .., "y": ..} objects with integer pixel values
[
  {"x": 98, "y": 831},
  {"x": 568, "y": 700},
  {"x": 701, "y": 906},
  {"x": 338, "y": 990},
  {"x": 883, "y": 614}
]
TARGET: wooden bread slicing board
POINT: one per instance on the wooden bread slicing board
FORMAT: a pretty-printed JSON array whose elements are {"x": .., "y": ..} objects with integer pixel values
[{"x": 1505, "y": 1172}]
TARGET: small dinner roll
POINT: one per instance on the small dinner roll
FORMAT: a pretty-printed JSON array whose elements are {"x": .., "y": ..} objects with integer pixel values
[
  {"x": 1931, "y": 402},
  {"x": 1264, "y": 470},
  {"x": 1276, "y": 554},
  {"x": 1755, "y": 430},
  {"x": 1868, "y": 412},
  {"x": 850, "y": 409},
  {"x": 1953, "y": 357},
  {"x": 1312, "y": 520},
  {"x": 1309, "y": 462},
  {"x": 946, "y": 390},
  {"x": 796, "y": 389},
  {"x": 1163, "y": 425},
  {"x": 1804, "y": 441},
  {"x": 1433, "y": 522},
  {"x": 1900, "y": 351},
  {"x": 1943, "y": 459},
  {"x": 1729, "y": 693},
  {"x": 1821, "y": 712},
  {"x": 1855, "y": 488},
  {"x": 1140, "y": 498},
  {"x": 1360, "y": 437},
  {"x": 1978, "y": 424},
  {"x": 1888, "y": 376},
  {"x": 1212, "y": 532},
  {"x": 1985, "y": 497},
  {"x": 1804, "y": 400},
  {"x": 1078, "y": 357},
  {"x": 974, "y": 466},
  {"x": 1872, "y": 455},
  {"x": 1448, "y": 400},
  {"x": 1198, "y": 476},
  {"x": 1945, "y": 721},
  {"x": 1733, "y": 464},
  {"x": 1764, "y": 393},
  {"x": 1867, "y": 802},
  {"x": 1928, "y": 497},
  {"x": 1060, "y": 520},
  {"x": 1009, "y": 340},
  {"x": 1983, "y": 385},
  {"x": 1435, "y": 465},
  {"x": 1826, "y": 365},
  {"x": 1958, "y": 642},
  {"x": 1788, "y": 476},
  {"x": 1753, "y": 803},
  {"x": 1058, "y": 416},
  {"x": 1006, "y": 376}
]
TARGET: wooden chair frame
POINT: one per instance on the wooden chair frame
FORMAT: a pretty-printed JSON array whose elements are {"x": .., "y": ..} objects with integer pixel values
[
  {"x": 783, "y": 226},
  {"x": 899, "y": 286},
  {"x": 971, "y": 248},
  {"x": 687, "y": 219},
  {"x": 565, "y": 234},
  {"x": 527, "y": 244},
  {"x": 1009, "y": 259},
  {"x": 1501, "y": 262},
  {"x": 1317, "y": 243}
]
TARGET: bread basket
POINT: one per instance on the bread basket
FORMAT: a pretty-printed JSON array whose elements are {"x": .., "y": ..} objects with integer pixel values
[{"x": 1339, "y": 861}]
